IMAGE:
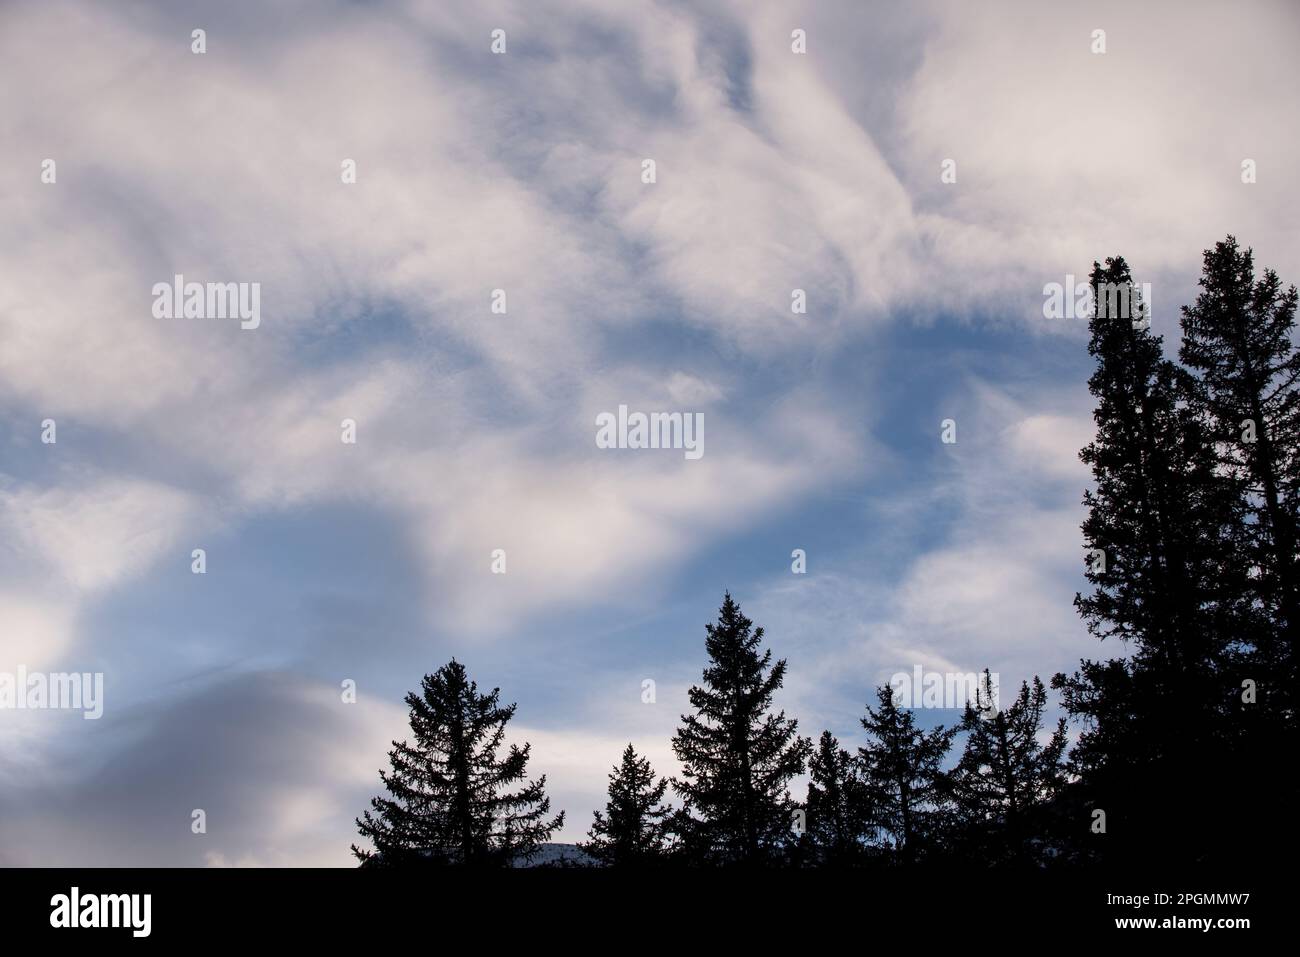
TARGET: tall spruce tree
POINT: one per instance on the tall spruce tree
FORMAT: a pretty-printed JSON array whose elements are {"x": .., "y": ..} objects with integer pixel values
[
  {"x": 903, "y": 776},
  {"x": 1006, "y": 777},
  {"x": 1238, "y": 341},
  {"x": 633, "y": 830},
  {"x": 450, "y": 800},
  {"x": 1153, "y": 529},
  {"x": 737, "y": 757},
  {"x": 840, "y": 831},
  {"x": 1164, "y": 581}
]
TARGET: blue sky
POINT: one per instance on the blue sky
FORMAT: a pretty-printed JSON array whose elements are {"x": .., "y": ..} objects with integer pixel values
[{"x": 522, "y": 171}]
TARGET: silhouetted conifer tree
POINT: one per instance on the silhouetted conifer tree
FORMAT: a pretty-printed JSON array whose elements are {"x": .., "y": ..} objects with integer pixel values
[
  {"x": 449, "y": 793},
  {"x": 1238, "y": 340},
  {"x": 1006, "y": 776},
  {"x": 902, "y": 770},
  {"x": 633, "y": 829},
  {"x": 1164, "y": 581},
  {"x": 737, "y": 757},
  {"x": 840, "y": 831},
  {"x": 1156, "y": 514}
]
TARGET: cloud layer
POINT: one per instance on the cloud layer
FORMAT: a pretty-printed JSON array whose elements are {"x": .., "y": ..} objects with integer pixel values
[{"x": 475, "y": 430}]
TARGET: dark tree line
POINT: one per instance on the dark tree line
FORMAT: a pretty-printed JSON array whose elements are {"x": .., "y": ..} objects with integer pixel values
[{"x": 1184, "y": 735}]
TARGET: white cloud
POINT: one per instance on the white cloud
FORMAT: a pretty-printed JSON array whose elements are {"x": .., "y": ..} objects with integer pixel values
[
  {"x": 93, "y": 537},
  {"x": 1049, "y": 445},
  {"x": 36, "y": 631}
]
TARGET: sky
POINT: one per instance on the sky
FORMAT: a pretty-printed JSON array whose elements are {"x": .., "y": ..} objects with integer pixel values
[{"x": 372, "y": 562}]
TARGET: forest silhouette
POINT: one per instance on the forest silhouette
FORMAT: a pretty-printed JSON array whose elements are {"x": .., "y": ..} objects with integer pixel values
[{"x": 1184, "y": 732}]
